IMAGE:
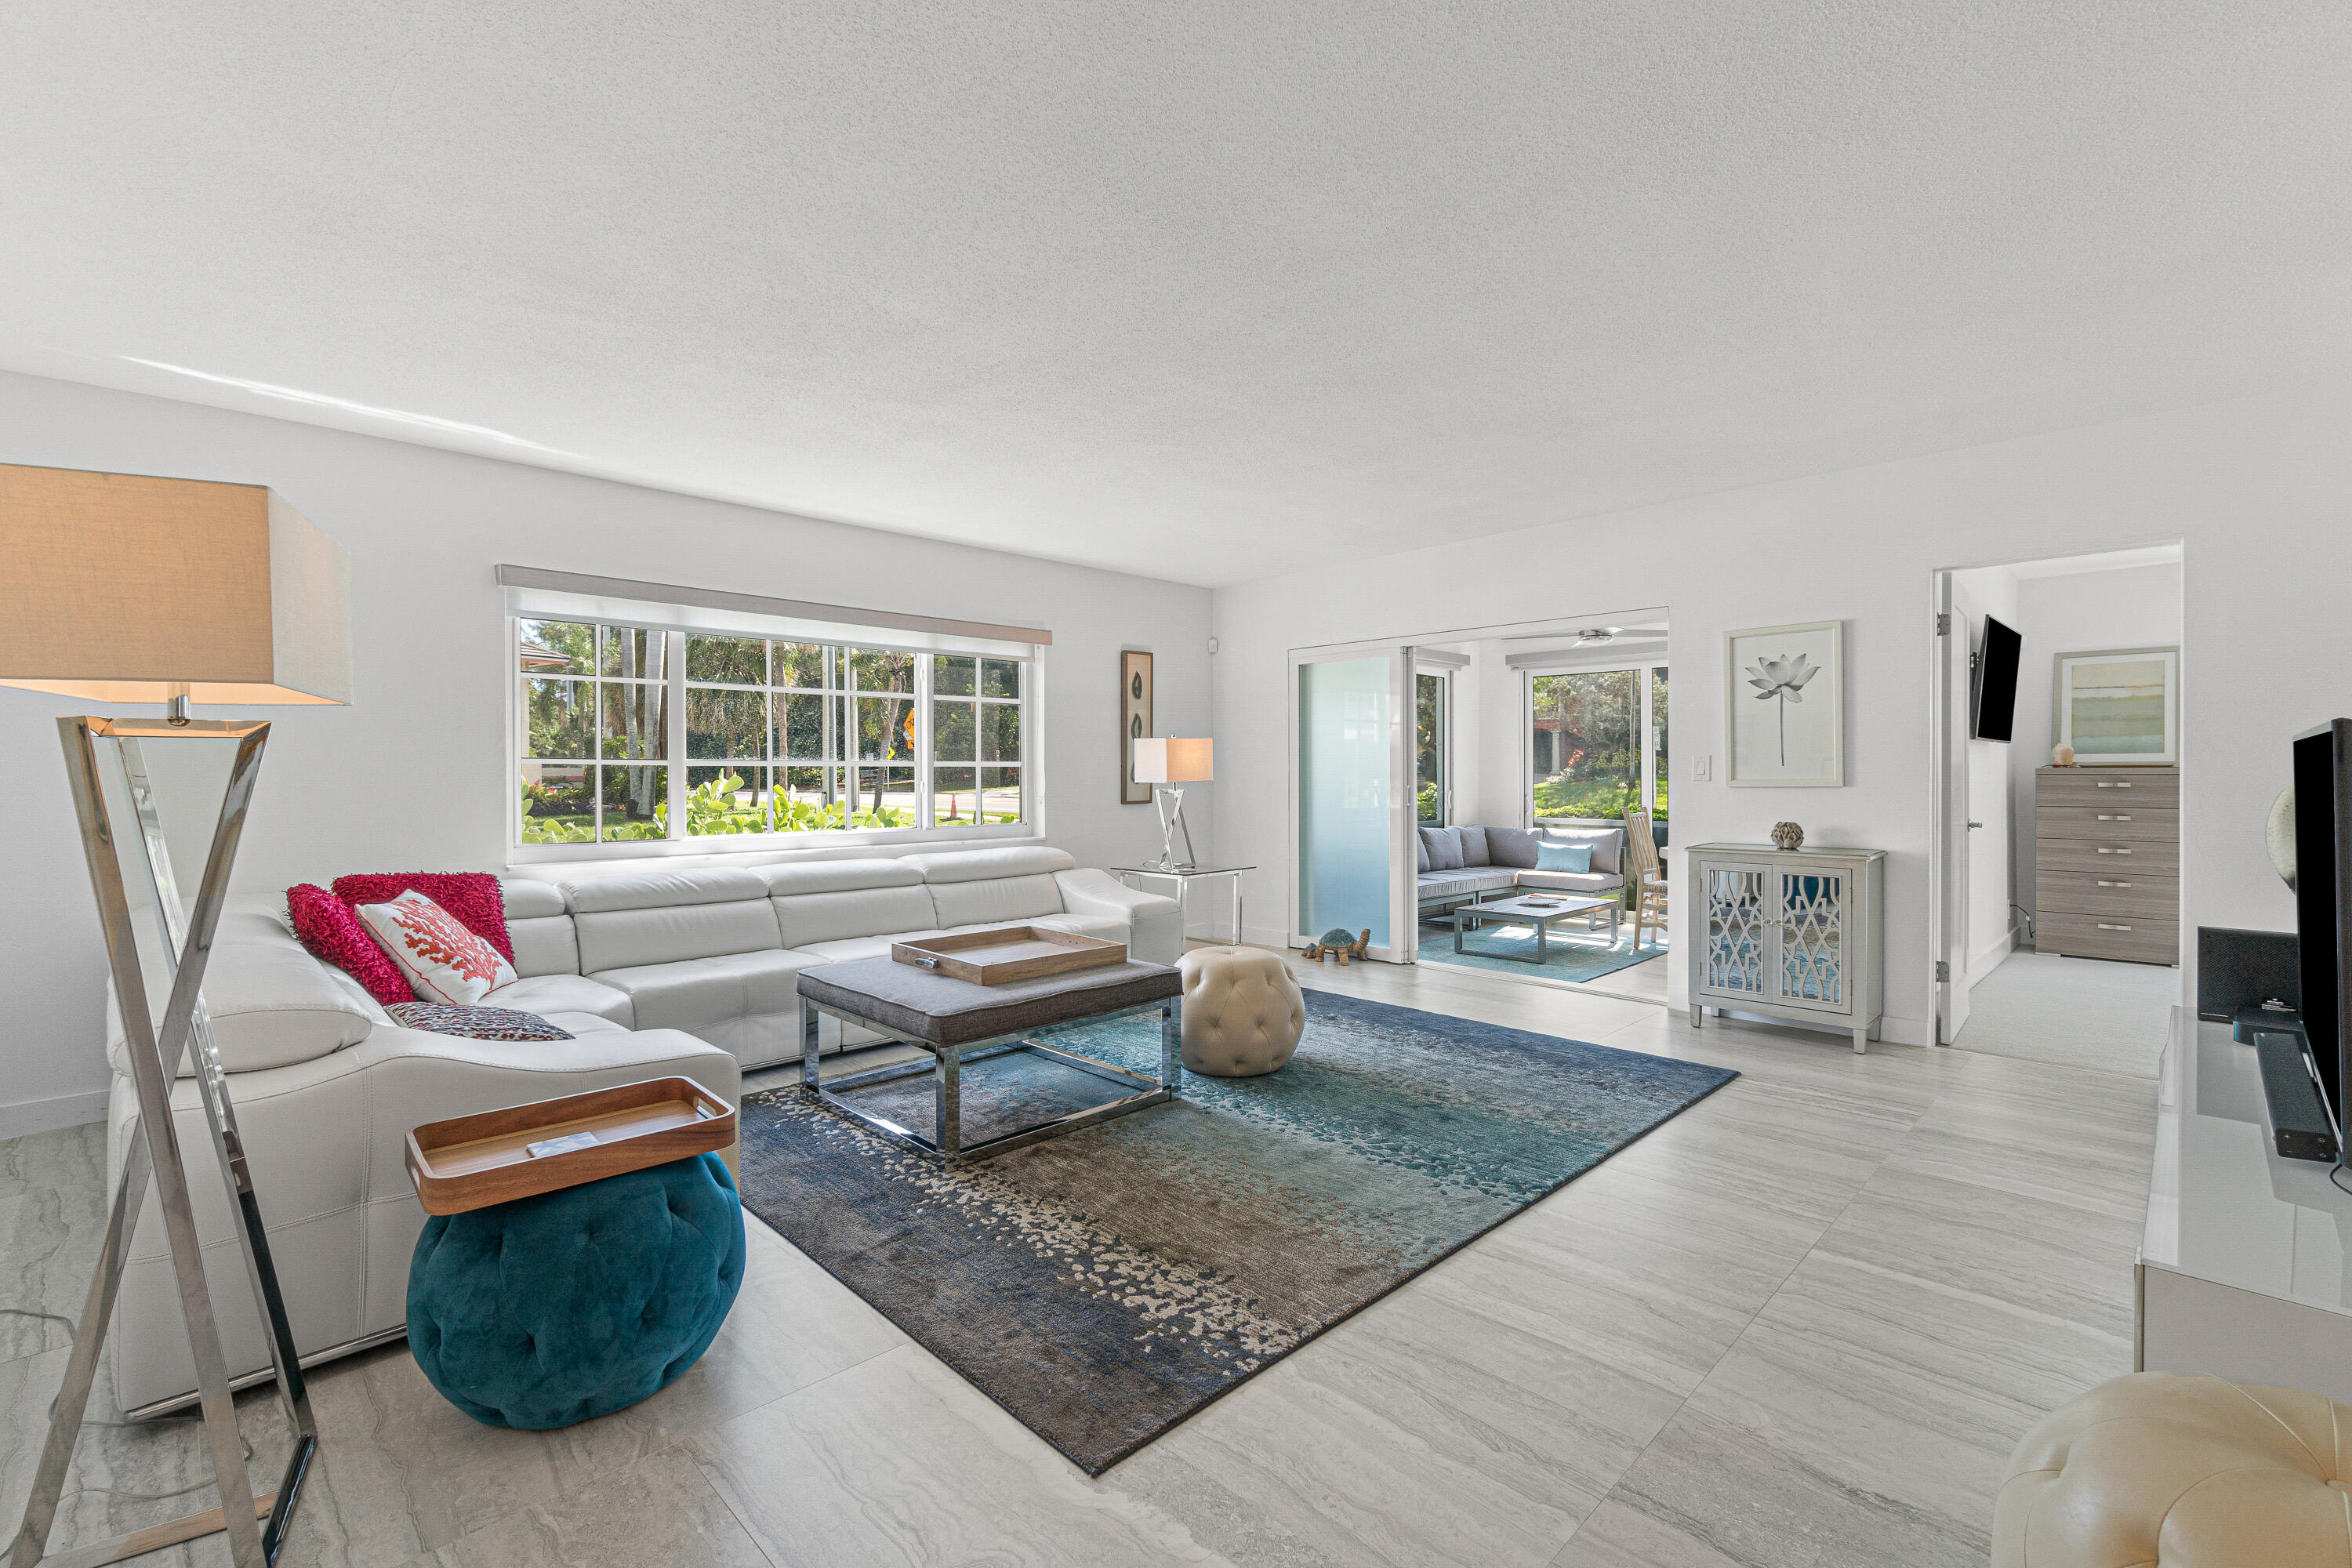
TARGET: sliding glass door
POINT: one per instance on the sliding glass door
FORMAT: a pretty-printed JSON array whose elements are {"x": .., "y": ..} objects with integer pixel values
[
  {"x": 1352, "y": 798},
  {"x": 1597, "y": 743},
  {"x": 1431, "y": 719}
]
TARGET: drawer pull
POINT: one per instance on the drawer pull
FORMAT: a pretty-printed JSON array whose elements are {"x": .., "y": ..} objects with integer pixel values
[
  {"x": 2105, "y": 850},
  {"x": 2104, "y": 926},
  {"x": 2111, "y": 784},
  {"x": 2117, "y": 817},
  {"x": 2114, "y": 884}
]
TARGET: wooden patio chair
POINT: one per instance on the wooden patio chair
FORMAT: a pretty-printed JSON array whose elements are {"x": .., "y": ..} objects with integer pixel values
[{"x": 1650, "y": 886}]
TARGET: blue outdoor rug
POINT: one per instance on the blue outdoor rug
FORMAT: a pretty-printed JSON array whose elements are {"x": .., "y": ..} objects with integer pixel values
[
  {"x": 1575, "y": 953},
  {"x": 1105, "y": 1285}
]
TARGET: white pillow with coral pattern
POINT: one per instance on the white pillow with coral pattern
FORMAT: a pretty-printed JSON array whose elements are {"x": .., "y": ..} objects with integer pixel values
[{"x": 441, "y": 960}]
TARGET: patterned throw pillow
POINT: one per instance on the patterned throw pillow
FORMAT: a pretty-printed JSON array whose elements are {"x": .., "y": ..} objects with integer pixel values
[
  {"x": 472, "y": 896},
  {"x": 326, "y": 925},
  {"x": 443, "y": 962},
  {"x": 474, "y": 1022}
]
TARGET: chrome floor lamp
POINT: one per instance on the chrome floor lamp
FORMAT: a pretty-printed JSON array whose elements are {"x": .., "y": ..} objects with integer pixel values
[{"x": 132, "y": 589}]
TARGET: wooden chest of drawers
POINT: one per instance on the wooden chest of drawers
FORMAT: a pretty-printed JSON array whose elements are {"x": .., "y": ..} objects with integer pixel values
[{"x": 2107, "y": 854}]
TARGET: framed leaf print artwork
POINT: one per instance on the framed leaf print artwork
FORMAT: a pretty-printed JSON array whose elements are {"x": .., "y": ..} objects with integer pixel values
[
  {"x": 1784, "y": 705},
  {"x": 1134, "y": 722},
  {"x": 2118, "y": 706}
]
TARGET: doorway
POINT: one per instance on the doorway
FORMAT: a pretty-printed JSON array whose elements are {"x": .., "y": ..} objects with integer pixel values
[
  {"x": 1552, "y": 730},
  {"x": 2055, "y": 924}
]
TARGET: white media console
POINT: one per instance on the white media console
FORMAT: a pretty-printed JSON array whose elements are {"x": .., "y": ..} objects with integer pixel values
[{"x": 2245, "y": 1264}]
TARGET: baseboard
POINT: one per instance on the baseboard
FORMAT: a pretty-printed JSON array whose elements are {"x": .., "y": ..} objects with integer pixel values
[
  {"x": 1983, "y": 963},
  {"x": 48, "y": 1115}
]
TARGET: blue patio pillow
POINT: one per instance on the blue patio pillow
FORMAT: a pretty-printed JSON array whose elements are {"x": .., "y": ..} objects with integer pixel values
[{"x": 1563, "y": 856}]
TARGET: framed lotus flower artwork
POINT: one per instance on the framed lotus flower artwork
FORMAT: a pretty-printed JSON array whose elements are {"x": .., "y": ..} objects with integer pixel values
[{"x": 1784, "y": 708}]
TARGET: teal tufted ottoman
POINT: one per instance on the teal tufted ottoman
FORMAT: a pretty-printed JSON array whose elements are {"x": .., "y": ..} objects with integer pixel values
[{"x": 578, "y": 1302}]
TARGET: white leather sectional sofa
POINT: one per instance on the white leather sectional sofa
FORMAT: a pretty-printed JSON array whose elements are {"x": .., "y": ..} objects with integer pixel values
[{"x": 655, "y": 972}]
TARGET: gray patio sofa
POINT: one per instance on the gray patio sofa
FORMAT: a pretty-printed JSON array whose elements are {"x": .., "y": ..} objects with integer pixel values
[{"x": 1465, "y": 865}]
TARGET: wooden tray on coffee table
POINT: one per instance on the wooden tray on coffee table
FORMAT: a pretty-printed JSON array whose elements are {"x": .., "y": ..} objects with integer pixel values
[
  {"x": 1009, "y": 953},
  {"x": 472, "y": 1162}
]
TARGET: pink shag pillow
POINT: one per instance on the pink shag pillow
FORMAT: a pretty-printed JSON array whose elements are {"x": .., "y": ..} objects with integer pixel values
[
  {"x": 472, "y": 896},
  {"x": 326, "y": 925}
]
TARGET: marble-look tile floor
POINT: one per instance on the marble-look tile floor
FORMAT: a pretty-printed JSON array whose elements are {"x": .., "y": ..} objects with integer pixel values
[{"x": 1800, "y": 1324}]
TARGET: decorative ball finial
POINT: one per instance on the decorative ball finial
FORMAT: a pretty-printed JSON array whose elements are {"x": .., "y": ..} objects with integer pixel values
[
  {"x": 2062, "y": 755},
  {"x": 1788, "y": 836},
  {"x": 2278, "y": 835}
]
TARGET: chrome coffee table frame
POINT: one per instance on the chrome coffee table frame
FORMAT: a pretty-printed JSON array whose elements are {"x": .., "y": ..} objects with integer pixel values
[
  {"x": 946, "y": 1068},
  {"x": 1508, "y": 912}
]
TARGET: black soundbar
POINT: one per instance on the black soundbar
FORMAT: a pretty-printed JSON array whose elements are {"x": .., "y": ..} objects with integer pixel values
[{"x": 2299, "y": 1120}]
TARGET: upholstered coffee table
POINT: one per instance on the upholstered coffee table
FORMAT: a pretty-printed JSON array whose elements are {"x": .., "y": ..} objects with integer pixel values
[
  {"x": 1539, "y": 911},
  {"x": 956, "y": 1023}
]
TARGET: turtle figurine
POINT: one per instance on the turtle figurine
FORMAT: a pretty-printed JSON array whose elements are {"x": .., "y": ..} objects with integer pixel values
[{"x": 1337, "y": 943}]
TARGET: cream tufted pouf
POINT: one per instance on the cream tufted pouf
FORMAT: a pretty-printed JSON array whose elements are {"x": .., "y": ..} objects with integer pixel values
[
  {"x": 1243, "y": 1012},
  {"x": 2184, "y": 1472}
]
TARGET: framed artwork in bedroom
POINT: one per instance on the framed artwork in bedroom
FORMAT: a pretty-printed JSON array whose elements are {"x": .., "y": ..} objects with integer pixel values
[
  {"x": 1134, "y": 722},
  {"x": 2117, "y": 707}
]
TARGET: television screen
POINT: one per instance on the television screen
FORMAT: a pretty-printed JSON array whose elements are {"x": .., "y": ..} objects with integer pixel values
[
  {"x": 1996, "y": 682},
  {"x": 2323, "y": 837}
]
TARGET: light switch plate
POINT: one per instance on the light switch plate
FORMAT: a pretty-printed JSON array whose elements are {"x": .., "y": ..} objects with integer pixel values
[{"x": 1702, "y": 768}]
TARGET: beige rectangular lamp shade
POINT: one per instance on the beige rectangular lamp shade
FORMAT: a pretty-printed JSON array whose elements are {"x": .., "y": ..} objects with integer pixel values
[
  {"x": 1164, "y": 758},
  {"x": 127, "y": 588}
]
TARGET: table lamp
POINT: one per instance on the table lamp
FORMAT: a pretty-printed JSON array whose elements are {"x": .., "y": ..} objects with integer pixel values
[
  {"x": 1165, "y": 760},
  {"x": 123, "y": 588}
]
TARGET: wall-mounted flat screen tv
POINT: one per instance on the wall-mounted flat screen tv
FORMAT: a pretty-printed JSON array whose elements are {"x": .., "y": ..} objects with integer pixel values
[{"x": 1996, "y": 682}]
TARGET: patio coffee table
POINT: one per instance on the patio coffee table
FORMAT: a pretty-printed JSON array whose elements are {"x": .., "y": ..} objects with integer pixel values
[
  {"x": 1540, "y": 912},
  {"x": 958, "y": 1022}
]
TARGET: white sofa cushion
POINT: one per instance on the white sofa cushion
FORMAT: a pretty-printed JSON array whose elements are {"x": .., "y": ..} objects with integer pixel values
[
  {"x": 697, "y": 994},
  {"x": 996, "y": 899},
  {"x": 663, "y": 889},
  {"x": 271, "y": 1005},
  {"x": 632, "y": 938},
  {"x": 791, "y": 881},
  {"x": 539, "y": 927},
  {"x": 805, "y": 917},
  {"x": 844, "y": 950},
  {"x": 547, "y": 995},
  {"x": 989, "y": 865}
]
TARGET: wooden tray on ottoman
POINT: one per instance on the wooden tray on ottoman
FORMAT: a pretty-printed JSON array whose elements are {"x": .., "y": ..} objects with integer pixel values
[
  {"x": 1009, "y": 953},
  {"x": 472, "y": 1162}
]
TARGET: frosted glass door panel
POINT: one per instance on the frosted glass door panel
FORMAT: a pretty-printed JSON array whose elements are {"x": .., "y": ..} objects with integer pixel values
[{"x": 1346, "y": 720}]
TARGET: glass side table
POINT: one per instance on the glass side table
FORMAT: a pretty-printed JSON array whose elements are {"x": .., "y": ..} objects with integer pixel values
[{"x": 1184, "y": 877}]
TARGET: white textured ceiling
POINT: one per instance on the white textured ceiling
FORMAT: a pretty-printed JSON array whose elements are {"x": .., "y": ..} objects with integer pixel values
[{"x": 1197, "y": 291}]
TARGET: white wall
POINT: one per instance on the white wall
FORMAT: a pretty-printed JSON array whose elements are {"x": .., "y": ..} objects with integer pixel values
[
  {"x": 413, "y": 773},
  {"x": 2140, "y": 607},
  {"x": 2260, "y": 490},
  {"x": 1975, "y": 595}
]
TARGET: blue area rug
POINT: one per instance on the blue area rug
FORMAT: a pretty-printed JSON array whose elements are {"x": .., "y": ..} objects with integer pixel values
[
  {"x": 1105, "y": 1285},
  {"x": 1575, "y": 953}
]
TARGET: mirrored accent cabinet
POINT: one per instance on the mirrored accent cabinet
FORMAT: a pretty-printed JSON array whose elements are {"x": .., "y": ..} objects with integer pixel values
[{"x": 1794, "y": 934}]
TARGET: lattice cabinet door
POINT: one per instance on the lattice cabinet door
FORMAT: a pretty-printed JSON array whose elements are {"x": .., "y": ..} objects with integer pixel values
[
  {"x": 1736, "y": 904},
  {"x": 1813, "y": 907},
  {"x": 1790, "y": 934}
]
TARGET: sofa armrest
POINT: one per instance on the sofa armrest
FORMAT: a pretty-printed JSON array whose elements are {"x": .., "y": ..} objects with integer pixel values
[
  {"x": 325, "y": 1139},
  {"x": 1155, "y": 924}
]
